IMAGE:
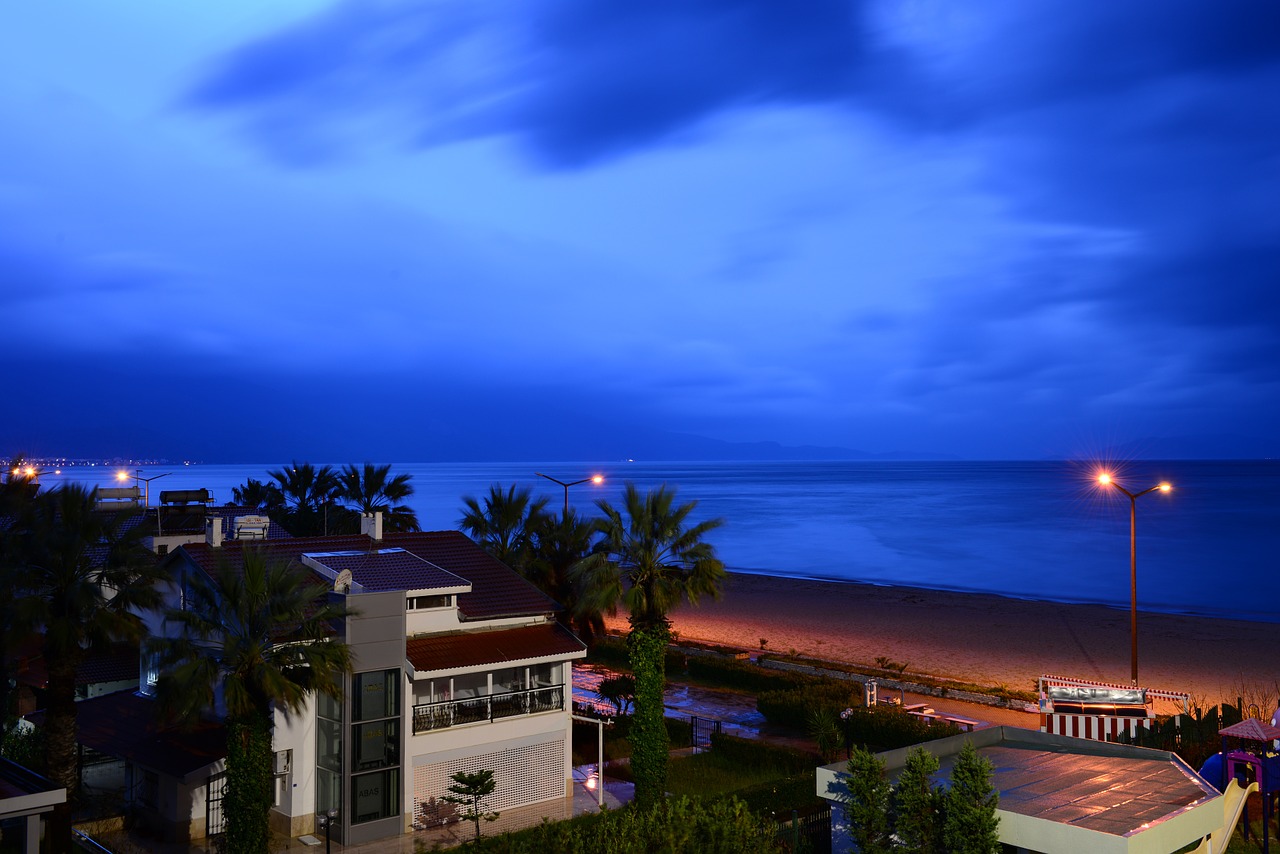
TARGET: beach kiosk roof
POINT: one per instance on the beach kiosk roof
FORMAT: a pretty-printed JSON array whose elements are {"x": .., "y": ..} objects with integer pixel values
[{"x": 1063, "y": 795}]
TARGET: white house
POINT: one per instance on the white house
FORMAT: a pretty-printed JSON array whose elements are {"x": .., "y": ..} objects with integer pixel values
[{"x": 459, "y": 665}]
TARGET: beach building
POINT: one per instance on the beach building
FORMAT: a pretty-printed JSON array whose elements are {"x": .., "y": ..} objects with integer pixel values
[
  {"x": 1063, "y": 795},
  {"x": 460, "y": 665}
]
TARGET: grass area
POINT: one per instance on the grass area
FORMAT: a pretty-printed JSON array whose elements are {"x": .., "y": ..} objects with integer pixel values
[{"x": 709, "y": 775}]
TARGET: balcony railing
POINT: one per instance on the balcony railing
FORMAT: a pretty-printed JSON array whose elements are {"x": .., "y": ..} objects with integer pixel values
[{"x": 429, "y": 716}]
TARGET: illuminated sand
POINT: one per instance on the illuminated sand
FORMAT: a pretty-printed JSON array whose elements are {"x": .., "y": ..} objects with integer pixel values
[{"x": 985, "y": 639}]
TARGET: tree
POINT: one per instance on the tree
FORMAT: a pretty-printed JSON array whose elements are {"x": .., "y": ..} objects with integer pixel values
[
  {"x": 257, "y": 495},
  {"x": 504, "y": 526},
  {"x": 918, "y": 805},
  {"x": 648, "y": 561},
  {"x": 971, "y": 825},
  {"x": 866, "y": 803},
  {"x": 307, "y": 491},
  {"x": 81, "y": 583},
  {"x": 372, "y": 489},
  {"x": 560, "y": 542},
  {"x": 619, "y": 691},
  {"x": 260, "y": 636},
  {"x": 469, "y": 790}
]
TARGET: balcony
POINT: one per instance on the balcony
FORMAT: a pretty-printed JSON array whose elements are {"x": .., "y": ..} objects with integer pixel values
[{"x": 433, "y": 716}]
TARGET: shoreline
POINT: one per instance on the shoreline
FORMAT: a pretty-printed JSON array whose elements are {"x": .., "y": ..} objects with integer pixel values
[{"x": 985, "y": 638}]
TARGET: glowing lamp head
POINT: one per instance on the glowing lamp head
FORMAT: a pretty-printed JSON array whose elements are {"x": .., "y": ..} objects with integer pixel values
[
  {"x": 1104, "y": 479},
  {"x": 1166, "y": 487},
  {"x": 122, "y": 476},
  {"x": 597, "y": 479}
]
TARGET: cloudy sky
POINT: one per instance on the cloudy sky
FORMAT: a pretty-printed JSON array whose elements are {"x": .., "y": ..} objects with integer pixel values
[{"x": 410, "y": 230}]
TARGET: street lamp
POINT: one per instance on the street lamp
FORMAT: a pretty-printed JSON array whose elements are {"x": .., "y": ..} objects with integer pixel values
[
  {"x": 597, "y": 479},
  {"x": 1107, "y": 480},
  {"x": 124, "y": 475},
  {"x": 326, "y": 820}
]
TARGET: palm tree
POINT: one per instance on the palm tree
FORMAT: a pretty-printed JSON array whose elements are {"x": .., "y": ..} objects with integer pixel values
[
  {"x": 371, "y": 489},
  {"x": 505, "y": 525},
  {"x": 259, "y": 636},
  {"x": 307, "y": 490},
  {"x": 257, "y": 495},
  {"x": 560, "y": 542},
  {"x": 82, "y": 585},
  {"x": 649, "y": 561}
]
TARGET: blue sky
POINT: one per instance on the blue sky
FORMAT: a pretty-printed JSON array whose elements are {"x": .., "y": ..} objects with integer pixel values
[{"x": 420, "y": 230}]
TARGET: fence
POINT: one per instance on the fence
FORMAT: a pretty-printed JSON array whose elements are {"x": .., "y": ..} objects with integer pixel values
[{"x": 432, "y": 716}]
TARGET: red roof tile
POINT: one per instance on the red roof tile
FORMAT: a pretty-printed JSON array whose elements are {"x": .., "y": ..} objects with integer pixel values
[{"x": 472, "y": 649}]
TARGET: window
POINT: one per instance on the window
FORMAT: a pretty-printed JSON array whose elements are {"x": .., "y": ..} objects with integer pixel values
[
  {"x": 328, "y": 753},
  {"x": 377, "y": 744},
  {"x": 423, "y": 603},
  {"x": 376, "y": 695},
  {"x": 375, "y": 796}
]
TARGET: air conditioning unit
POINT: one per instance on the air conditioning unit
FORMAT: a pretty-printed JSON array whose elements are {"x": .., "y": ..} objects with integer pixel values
[{"x": 284, "y": 762}]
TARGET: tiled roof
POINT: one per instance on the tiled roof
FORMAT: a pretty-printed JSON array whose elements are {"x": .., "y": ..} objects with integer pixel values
[
  {"x": 472, "y": 649},
  {"x": 119, "y": 664},
  {"x": 496, "y": 590},
  {"x": 124, "y": 725},
  {"x": 390, "y": 569}
]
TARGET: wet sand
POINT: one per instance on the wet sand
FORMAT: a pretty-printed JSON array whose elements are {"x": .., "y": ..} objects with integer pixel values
[{"x": 986, "y": 639}]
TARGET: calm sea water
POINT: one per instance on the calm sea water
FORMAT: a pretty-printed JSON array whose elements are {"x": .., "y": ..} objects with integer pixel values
[{"x": 1037, "y": 530}]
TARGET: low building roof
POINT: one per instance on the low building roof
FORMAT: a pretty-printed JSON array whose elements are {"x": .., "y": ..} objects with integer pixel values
[
  {"x": 462, "y": 650},
  {"x": 1060, "y": 794},
  {"x": 126, "y": 725},
  {"x": 383, "y": 570}
]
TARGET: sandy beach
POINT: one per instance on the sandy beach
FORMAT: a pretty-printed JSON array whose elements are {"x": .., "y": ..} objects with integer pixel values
[{"x": 986, "y": 639}]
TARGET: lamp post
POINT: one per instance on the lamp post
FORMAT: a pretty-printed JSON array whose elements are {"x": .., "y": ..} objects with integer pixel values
[
  {"x": 597, "y": 479},
  {"x": 326, "y": 820},
  {"x": 1107, "y": 480},
  {"x": 146, "y": 501}
]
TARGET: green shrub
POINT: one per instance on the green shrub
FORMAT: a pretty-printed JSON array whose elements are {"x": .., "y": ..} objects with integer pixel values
[
  {"x": 888, "y": 728},
  {"x": 749, "y": 751},
  {"x": 792, "y": 707},
  {"x": 675, "y": 825}
]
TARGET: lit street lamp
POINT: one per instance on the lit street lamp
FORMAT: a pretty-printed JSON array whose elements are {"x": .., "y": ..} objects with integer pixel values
[
  {"x": 124, "y": 475},
  {"x": 326, "y": 820},
  {"x": 1105, "y": 480},
  {"x": 597, "y": 479}
]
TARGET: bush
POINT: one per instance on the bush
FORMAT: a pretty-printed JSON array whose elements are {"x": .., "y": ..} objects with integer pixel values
[
  {"x": 792, "y": 707},
  {"x": 888, "y": 728},
  {"x": 748, "y": 751},
  {"x": 675, "y": 825}
]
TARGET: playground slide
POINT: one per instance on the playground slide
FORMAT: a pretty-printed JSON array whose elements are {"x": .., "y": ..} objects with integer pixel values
[{"x": 1232, "y": 806}]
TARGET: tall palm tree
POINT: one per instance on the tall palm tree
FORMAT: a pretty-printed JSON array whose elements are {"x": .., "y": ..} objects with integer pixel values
[
  {"x": 82, "y": 584},
  {"x": 649, "y": 561},
  {"x": 505, "y": 525},
  {"x": 372, "y": 489},
  {"x": 260, "y": 636},
  {"x": 560, "y": 542},
  {"x": 257, "y": 495},
  {"x": 307, "y": 491}
]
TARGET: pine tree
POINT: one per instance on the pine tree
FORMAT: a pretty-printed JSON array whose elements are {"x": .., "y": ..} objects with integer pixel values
[
  {"x": 971, "y": 825},
  {"x": 918, "y": 805},
  {"x": 469, "y": 790},
  {"x": 866, "y": 803}
]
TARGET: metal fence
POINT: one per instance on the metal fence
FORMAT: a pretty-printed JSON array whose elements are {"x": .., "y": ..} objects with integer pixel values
[{"x": 432, "y": 716}]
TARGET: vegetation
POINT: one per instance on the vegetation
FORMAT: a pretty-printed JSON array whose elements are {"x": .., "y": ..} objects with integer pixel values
[
  {"x": 917, "y": 805},
  {"x": 504, "y": 524},
  {"x": 676, "y": 825},
  {"x": 649, "y": 560},
  {"x": 971, "y": 825},
  {"x": 257, "y": 635},
  {"x": 865, "y": 798},
  {"x": 619, "y": 691},
  {"x": 307, "y": 491},
  {"x": 373, "y": 489},
  {"x": 468, "y": 791},
  {"x": 73, "y": 577},
  {"x": 560, "y": 543}
]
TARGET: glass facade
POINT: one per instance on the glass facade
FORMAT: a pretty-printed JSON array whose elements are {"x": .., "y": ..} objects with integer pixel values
[
  {"x": 375, "y": 744},
  {"x": 328, "y": 754}
]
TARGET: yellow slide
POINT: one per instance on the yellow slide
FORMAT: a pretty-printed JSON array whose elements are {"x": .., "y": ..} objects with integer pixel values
[{"x": 1232, "y": 806}]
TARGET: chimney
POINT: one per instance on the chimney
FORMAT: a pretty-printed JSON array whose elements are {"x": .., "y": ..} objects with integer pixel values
[
  {"x": 213, "y": 531},
  {"x": 371, "y": 525}
]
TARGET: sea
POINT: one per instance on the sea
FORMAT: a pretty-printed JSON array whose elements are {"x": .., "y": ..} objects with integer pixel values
[{"x": 1028, "y": 530}]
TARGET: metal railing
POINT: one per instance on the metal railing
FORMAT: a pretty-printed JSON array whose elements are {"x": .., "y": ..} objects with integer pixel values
[{"x": 431, "y": 716}]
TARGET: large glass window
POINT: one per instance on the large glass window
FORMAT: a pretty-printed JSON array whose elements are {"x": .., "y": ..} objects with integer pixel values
[
  {"x": 470, "y": 685},
  {"x": 377, "y": 744},
  {"x": 377, "y": 695},
  {"x": 375, "y": 796},
  {"x": 328, "y": 754},
  {"x": 545, "y": 675},
  {"x": 508, "y": 679}
]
